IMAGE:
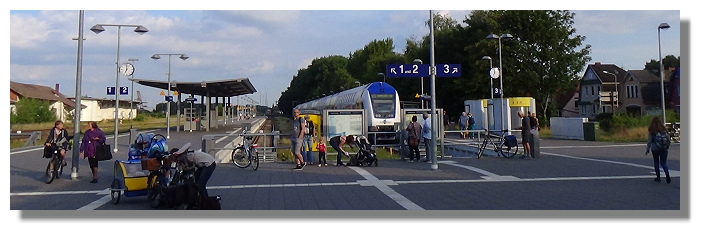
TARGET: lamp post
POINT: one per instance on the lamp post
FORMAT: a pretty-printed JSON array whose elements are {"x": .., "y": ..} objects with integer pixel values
[
  {"x": 98, "y": 28},
  {"x": 491, "y": 92},
  {"x": 384, "y": 76},
  {"x": 660, "y": 68},
  {"x": 132, "y": 92},
  {"x": 168, "y": 85},
  {"x": 501, "y": 72},
  {"x": 614, "y": 93},
  {"x": 419, "y": 62}
]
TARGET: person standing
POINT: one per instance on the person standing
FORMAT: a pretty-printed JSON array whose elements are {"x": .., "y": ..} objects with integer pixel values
[
  {"x": 93, "y": 137},
  {"x": 426, "y": 134},
  {"x": 297, "y": 138},
  {"x": 337, "y": 142},
  {"x": 471, "y": 125},
  {"x": 414, "y": 129},
  {"x": 321, "y": 146},
  {"x": 658, "y": 143},
  {"x": 463, "y": 124},
  {"x": 309, "y": 134},
  {"x": 525, "y": 134},
  {"x": 59, "y": 138}
]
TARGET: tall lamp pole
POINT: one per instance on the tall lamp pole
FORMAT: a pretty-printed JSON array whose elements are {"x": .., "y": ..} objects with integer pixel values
[
  {"x": 98, "y": 28},
  {"x": 614, "y": 93},
  {"x": 168, "y": 85},
  {"x": 501, "y": 71},
  {"x": 132, "y": 93},
  {"x": 660, "y": 68},
  {"x": 491, "y": 92}
]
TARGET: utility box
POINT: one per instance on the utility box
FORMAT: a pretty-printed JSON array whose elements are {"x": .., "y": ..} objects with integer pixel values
[{"x": 591, "y": 131}]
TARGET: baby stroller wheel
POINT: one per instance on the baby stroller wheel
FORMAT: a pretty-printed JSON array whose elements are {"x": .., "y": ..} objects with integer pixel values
[
  {"x": 375, "y": 162},
  {"x": 115, "y": 192}
]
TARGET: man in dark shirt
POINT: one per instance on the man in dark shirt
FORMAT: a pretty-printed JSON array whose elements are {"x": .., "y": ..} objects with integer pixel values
[{"x": 525, "y": 134}]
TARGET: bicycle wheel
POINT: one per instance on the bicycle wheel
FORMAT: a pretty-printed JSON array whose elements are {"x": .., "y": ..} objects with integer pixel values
[
  {"x": 154, "y": 190},
  {"x": 115, "y": 191},
  {"x": 49, "y": 173},
  {"x": 482, "y": 148},
  {"x": 239, "y": 157},
  {"x": 507, "y": 151},
  {"x": 60, "y": 169},
  {"x": 255, "y": 161}
]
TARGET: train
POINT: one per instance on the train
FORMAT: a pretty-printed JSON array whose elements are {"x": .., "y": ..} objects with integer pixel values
[{"x": 379, "y": 100}]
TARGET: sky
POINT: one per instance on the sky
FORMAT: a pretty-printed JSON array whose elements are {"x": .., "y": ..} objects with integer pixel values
[{"x": 268, "y": 47}]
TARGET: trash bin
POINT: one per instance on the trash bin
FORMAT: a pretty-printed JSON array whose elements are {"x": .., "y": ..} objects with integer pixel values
[{"x": 591, "y": 131}]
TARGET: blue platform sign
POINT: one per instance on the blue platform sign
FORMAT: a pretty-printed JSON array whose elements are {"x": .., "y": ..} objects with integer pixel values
[
  {"x": 407, "y": 70},
  {"x": 111, "y": 90},
  {"x": 190, "y": 99},
  {"x": 448, "y": 70},
  {"x": 168, "y": 98}
]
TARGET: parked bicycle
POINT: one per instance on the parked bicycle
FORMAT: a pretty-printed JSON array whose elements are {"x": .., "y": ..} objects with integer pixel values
[
  {"x": 246, "y": 154},
  {"x": 506, "y": 144},
  {"x": 56, "y": 164}
]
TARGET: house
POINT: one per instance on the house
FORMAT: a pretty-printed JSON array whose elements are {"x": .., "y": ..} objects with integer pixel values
[
  {"x": 569, "y": 103},
  {"x": 599, "y": 90},
  {"x": 58, "y": 103},
  {"x": 97, "y": 109},
  {"x": 606, "y": 88}
]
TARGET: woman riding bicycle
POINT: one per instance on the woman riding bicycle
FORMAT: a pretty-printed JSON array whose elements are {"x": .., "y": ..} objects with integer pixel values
[{"x": 58, "y": 137}]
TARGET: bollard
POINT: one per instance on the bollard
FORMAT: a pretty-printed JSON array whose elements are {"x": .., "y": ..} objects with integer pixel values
[{"x": 534, "y": 143}]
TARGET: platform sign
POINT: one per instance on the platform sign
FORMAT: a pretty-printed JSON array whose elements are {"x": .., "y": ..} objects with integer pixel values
[
  {"x": 190, "y": 99},
  {"x": 124, "y": 90},
  {"x": 407, "y": 70},
  {"x": 111, "y": 90},
  {"x": 168, "y": 98},
  {"x": 448, "y": 70}
]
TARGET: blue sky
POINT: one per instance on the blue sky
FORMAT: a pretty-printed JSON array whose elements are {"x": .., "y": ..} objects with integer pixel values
[{"x": 268, "y": 47}]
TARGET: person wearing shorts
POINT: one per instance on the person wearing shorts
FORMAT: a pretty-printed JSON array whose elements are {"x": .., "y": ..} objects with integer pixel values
[{"x": 297, "y": 140}]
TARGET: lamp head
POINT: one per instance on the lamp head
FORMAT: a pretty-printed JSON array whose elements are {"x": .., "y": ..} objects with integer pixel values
[
  {"x": 141, "y": 30},
  {"x": 97, "y": 29},
  {"x": 418, "y": 61},
  {"x": 183, "y": 57},
  {"x": 487, "y": 58},
  {"x": 661, "y": 26},
  {"x": 506, "y": 35},
  {"x": 492, "y": 36},
  {"x": 156, "y": 57}
]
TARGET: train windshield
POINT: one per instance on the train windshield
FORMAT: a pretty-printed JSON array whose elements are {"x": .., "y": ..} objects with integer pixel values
[{"x": 383, "y": 105}]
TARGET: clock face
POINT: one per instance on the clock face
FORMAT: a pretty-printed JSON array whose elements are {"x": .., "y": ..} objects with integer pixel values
[
  {"x": 494, "y": 73},
  {"x": 127, "y": 69}
]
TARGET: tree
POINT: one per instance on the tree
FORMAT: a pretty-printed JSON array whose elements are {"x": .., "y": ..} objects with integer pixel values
[
  {"x": 29, "y": 110},
  {"x": 670, "y": 61}
]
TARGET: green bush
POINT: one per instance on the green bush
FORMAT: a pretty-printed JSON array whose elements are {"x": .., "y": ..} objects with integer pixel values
[{"x": 30, "y": 110}]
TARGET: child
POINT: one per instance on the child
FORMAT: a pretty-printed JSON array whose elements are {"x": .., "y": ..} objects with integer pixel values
[{"x": 321, "y": 152}]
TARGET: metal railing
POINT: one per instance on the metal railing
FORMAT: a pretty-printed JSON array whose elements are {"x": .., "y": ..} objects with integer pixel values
[
  {"x": 267, "y": 150},
  {"x": 32, "y": 137}
]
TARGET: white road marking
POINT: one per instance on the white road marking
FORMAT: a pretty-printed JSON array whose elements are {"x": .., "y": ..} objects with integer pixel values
[
  {"x": 394, "y": 195},
  {"x": 97, "y": 203},
  {"x": 673, "y": 172},
  {"x": 487, "y": 175}
]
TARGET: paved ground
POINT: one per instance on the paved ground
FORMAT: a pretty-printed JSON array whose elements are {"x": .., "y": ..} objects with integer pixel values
[{"x": 570, "y": 178}]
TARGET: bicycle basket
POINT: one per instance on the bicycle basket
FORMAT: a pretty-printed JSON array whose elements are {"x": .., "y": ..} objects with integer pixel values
[{"x": 510, "y": 141}]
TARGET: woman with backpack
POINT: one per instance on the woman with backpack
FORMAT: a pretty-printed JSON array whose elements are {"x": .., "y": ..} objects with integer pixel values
[{"x": 658, "y": 144}]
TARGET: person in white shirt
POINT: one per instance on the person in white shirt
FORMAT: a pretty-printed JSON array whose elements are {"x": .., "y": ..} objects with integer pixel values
[{"x": 204, "y": 163}]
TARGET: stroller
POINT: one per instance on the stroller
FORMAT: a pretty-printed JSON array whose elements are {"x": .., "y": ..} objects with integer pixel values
[{"x": 365, "y": 156}]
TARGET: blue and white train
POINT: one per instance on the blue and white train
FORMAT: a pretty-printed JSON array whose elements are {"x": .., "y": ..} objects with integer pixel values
[{"x": 379, "y": 100}]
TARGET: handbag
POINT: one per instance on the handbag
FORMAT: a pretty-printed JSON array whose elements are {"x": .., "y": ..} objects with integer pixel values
[
  {"x": 103, "y": 152},
  {"x": 413, "y": 141}
]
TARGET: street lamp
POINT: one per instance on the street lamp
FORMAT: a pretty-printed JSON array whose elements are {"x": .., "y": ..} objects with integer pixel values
[
  {"x": 614, "y": 93},
  {"x": 132, "y": 92},
  {"x": 384, "y": 76},
  {"x": 660, "y": 68},
  {"x": 98, "y": 28},
  {"x": 419, "y": 62},
  {"x": 491, "y": 91},
  {"x": 501, "y": 72},
  {"x": 168, "y": 85}
]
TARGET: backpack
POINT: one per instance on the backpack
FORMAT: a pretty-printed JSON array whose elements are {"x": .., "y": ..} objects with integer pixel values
[
  {"x": 662, "y": 140},
  {"x": 308, "y": 128}
]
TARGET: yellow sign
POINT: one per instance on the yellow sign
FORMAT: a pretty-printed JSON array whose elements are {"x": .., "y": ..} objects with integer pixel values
[
  {"x": 417, "y": 95},
  {"x": 176, "y": 93},
  {"x": 520, "y": 102},
  {"x": 161, "y": 93}
]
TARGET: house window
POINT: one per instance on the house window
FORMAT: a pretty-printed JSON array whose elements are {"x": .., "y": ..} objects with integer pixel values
[
  {"x": 592, "y": 90},
  {"x": 583, "y": 109},
  {"x": 632, "y": 91}
]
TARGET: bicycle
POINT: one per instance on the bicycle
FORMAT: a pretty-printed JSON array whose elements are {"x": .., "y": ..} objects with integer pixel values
[
  {"x": 505, "y": 145},
  {"x": 55, "y": 166},
  {"x": 246, "y": 154},
  {"x": 158, "y": 180}
]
